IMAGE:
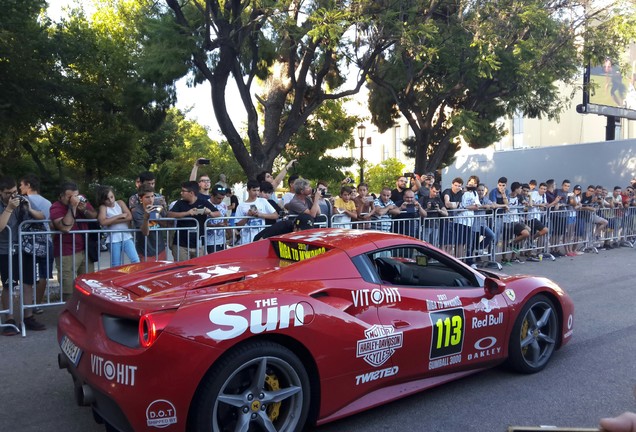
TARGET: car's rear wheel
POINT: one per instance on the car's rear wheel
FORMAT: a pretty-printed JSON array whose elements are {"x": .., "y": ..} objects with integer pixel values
[
  {"x": 260, "y": 386},
  {"x": 534, "y": 335}
]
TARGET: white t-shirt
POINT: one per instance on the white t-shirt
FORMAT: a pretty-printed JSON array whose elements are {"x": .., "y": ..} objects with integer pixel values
[
  {"x": 535, "y": 212},
  {"x": 216, "y": 237},
  {"x": 263, "y": 206},
  {"x": 469, "y": 198}
]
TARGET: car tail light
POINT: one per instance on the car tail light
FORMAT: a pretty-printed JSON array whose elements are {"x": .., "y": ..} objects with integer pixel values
[
  {"x": 151, "y": 325},
  {"x": 82, "y": 289}
]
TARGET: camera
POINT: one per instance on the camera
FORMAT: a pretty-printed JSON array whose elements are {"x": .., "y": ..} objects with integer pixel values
[
  {"x": 203, "y": 161},
  {"x": 322, "y": 192},
  {"x": 82, "y": 199},
  {"x": 22, "y": 198},
  {"x": 348, "y": 180},
  {"x": 409, "y": 175}
]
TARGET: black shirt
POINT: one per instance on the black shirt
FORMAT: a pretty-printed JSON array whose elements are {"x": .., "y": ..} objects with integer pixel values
[
  {"x": 454, "y": 197},
  {"x": 184, "y": 206}
]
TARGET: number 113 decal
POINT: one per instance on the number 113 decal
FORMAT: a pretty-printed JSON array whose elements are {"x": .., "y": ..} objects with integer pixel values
[{"x": 448, "y": 332}]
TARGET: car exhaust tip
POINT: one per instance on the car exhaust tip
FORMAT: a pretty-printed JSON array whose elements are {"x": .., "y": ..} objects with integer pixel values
[
  {"x": 62, "y": 361},
  {"x": 88, "y": 397}
]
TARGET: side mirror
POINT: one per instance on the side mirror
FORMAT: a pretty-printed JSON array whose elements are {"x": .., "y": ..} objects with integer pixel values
[{"x": 492, "y": 287}]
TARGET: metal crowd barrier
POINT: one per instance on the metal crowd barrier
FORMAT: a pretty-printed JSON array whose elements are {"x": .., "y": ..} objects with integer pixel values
[
  {"x": 7, "y": 286},
  {"x": 483, "y": 238}
]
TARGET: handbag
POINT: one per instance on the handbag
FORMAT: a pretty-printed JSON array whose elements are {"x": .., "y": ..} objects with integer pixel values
[{"x": 34, "y": 240}]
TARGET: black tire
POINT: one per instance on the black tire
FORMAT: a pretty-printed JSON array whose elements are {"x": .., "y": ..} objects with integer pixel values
[
  {"x": 534, "y": 335},
  {"x": 258, "y": 386}
]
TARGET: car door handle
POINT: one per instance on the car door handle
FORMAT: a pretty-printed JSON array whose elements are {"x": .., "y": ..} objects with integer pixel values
[{"x": 400, "y": 323}]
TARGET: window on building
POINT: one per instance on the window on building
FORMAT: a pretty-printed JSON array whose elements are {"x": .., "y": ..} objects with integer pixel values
[{"x": 398, "y": 142}]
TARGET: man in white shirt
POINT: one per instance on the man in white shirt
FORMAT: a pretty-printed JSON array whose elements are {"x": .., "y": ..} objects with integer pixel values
[
  {"x": 538, "y": 205},
  {"x": 253, "y": 212}
]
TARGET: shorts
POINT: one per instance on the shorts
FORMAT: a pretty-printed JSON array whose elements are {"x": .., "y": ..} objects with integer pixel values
[
  {"x": 69, "y": 267},
  {"x": 512, "y": 230},
  {"x": 27, "y": 269},
  {"x": 596, "y": 219},
  {"x": 535, "y": 225}
]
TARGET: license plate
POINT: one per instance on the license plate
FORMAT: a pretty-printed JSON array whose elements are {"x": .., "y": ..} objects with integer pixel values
[{"x": 71, "y": 350}]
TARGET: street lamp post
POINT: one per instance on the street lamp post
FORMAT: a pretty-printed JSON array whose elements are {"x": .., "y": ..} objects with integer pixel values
[{"x": 361, "y": 135}]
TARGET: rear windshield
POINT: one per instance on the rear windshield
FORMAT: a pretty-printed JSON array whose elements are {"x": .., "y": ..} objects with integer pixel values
[{"x": 294, "y": 252}]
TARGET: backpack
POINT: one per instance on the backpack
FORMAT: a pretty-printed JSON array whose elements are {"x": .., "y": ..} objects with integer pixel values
[{"x": 34, "y": 240}]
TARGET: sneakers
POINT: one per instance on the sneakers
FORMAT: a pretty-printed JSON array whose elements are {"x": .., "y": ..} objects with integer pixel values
[
  {"x": 533, "y": 259},
  {"x": 571, "y": 254},
  {"x": 516, "y": 260},
  {"x": 10, "y": 331},
  {"x": 34, "y": 325},
  {"x": 38, "y": 310}
]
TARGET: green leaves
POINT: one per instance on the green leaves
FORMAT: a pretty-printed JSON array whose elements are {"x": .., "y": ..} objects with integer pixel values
[{"x": 480, "y": 61}]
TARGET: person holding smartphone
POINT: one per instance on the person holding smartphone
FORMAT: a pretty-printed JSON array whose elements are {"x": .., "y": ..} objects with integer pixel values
[
  {"x": 411, "y": 212},
  {"x": 253, "y": 212},
  {"x": 402, "y": 184},
  {"x": 193, "y": 211}
]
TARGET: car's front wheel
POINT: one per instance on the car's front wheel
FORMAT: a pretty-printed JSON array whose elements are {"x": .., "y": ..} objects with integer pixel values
[
  {"x": 260, "y": 386},
  {"x": 534, "y": 335}
]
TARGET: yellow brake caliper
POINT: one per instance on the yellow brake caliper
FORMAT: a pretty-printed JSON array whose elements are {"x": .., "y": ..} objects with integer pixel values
[
  {"x": 524, "y": 333},
  {"x": 273, "y": 409}
]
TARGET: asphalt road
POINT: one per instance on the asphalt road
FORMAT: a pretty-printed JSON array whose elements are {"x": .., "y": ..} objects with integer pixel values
[{"x": 592, "y": 377}]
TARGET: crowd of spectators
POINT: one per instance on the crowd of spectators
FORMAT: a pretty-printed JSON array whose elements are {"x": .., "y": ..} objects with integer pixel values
[{"x": 458, "y": 219}]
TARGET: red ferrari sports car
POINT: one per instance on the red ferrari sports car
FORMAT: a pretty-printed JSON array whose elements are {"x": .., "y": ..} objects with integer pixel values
[{"x": 295, "y": 330}]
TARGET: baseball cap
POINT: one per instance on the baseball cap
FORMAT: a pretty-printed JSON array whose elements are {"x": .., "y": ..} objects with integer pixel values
[
  {"x": 304, "y": 221},
  {"x": 577, "y": 187},
  {"x": 219, "y": 190}
]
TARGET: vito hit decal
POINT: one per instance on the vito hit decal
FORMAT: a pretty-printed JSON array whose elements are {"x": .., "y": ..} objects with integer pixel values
[
  {"x": 376, "y": 296},
  {"x": 379, "y": 344},
  {"x": 447, "y": 338},
  {"x": 119, "y": 373}
]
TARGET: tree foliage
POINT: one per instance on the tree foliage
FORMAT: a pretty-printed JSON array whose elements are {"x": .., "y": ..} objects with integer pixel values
[
  {"x": 285, "y": 57},
  {"x": 328, "y": 128},
  {"x": 384, "y": 174},
  {"x": 29, "y": 80},
  {"x": 461, "y": 65}
]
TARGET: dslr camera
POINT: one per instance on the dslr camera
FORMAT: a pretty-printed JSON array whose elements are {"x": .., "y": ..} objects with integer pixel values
[{"x": 22, "y": 198}]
